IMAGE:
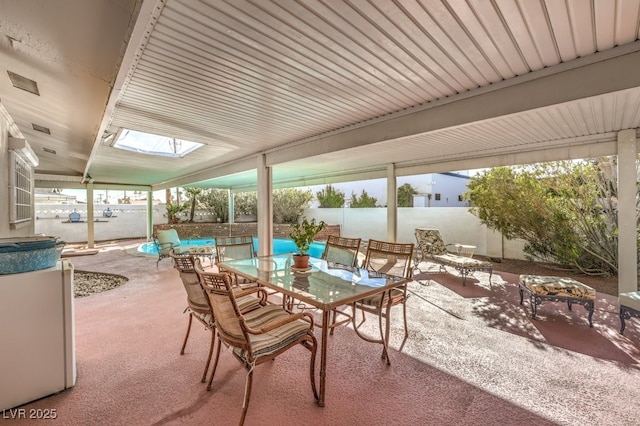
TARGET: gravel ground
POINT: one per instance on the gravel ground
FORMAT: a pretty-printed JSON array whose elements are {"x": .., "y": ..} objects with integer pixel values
[{"x": 88, "y": 283}]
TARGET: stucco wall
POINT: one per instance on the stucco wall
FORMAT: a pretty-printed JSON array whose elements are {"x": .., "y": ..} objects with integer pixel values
[
  {"x": 126, "y": 221},
  {"x": 456, "y": 225}
]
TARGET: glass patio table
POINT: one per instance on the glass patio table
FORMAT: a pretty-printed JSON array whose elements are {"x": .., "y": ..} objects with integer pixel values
[{"x": 325, "y": 286}]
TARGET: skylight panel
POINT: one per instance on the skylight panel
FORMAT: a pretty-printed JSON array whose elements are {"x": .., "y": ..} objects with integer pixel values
[{"x": 150, "y": 144}]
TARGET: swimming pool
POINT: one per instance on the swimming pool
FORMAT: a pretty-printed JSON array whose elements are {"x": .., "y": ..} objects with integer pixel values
[{"x": 280, "y": 245}]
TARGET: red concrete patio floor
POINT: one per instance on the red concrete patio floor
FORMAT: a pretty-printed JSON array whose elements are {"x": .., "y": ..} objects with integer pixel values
[{"x": 473, "y": 357}]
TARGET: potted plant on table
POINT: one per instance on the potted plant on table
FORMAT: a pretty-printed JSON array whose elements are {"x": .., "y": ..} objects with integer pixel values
[{"x": 302, "y": 234}]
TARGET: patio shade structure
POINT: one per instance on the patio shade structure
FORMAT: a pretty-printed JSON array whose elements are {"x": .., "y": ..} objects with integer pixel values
[{"x": 299, "y": 93}]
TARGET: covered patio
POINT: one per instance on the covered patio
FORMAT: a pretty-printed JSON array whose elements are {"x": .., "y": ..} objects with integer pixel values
[
  {"x": 473, "y": 357},
  {"x": 283, "y": 94}
]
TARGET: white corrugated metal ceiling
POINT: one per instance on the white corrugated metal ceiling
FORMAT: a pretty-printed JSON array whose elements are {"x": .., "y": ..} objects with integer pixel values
[{"x": 328, "y": 88}]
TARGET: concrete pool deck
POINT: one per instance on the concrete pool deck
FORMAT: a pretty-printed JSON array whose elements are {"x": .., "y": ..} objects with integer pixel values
[{"x": 474, "y": 357}]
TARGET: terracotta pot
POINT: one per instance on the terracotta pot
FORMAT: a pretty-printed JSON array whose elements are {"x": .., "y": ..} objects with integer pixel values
[{"x": 301, "y": 261}]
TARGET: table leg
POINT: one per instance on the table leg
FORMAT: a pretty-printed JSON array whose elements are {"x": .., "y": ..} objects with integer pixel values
[{"x": 323, "y": 354}]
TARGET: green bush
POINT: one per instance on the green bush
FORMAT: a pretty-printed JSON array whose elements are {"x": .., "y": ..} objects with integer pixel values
[
  {"x": 289, "y": 203},
  {"x": 246, "y": 203},
  {"x": 565, "y": 211},
  {"x": 330, "y": 197},
  {"x": 216, "y": 202},
  {"x": 364, "y": 200}
]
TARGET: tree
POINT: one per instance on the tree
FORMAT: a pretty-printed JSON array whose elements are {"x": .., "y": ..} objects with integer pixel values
[
  {"x": 192, "y": 200},
  {"x": 405, "y": 195},
  {"x": 565, "y": 211},
  {"x": 330, "y": 197},
  {"x": 364, "y": 200},
  {"x": 289, "y": 203},
  {"x": 216, "y": 202},
  {"x": 246, "y": 203}
]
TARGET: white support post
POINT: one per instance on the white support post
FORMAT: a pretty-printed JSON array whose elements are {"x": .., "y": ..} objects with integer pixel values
[
  {"x": 90, "y": 225},
  {"x": 392, "y": 204},
  {"x": 627, "y": 233},
  {"x": 149, "y": 215},
  {"x": 232, "y": 208},
  {"x": 265, "y": 208}
]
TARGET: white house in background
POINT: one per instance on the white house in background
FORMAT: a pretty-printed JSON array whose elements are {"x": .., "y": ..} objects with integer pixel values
[
  {"x": 434, "y": 189},
  {"x": 53, "y": 196}
]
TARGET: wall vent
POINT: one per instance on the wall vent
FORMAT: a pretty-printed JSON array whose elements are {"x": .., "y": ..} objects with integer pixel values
[
  {"x": 40, "y": 128},
  {"x": 23, "y": 83}
]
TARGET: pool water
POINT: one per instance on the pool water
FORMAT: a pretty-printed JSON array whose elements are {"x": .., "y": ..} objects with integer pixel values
[{"x": 280, "y": 245}]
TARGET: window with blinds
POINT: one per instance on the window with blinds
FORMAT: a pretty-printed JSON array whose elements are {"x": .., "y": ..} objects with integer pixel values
[{"x": 20, "y": 184}]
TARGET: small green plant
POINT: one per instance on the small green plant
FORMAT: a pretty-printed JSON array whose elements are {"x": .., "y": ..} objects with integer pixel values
[
  {"x": 303, "y": 233},
  {"x": 173, "y": 212}
]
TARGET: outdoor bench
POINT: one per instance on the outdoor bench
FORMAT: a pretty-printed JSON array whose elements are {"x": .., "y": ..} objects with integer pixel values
[
  {"x": 629, "y": 307},
  {"x": 556, "y": 289}
]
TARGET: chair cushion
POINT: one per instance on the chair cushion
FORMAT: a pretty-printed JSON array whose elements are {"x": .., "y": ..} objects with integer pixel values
[
  {"x": 264, "y": 315},
  {"x": 204, "y": 318},
  {"x": 256, "y": 317},
  {"x": 247, "y": 303},
  {"x": 630, "y": 300},
  {"x": 397, "y": 296},
  {"x": 202, "y": 250},
  {"x": 167, "y": 238},
  {"x": 557, "y": 286},
  {"x": 271, "y": 341},
  {"x": 431, "y": 241},
  {"x": 462, "y": 261}
]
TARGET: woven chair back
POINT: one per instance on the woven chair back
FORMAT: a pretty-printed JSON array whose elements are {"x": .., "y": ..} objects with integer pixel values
[
  {"x": 227, "y": 315},
  {"x": 196, "y": 297},
  {"x": 342, "y": 250},
  {"x": 233, "y": 248},
  {"x": 389, "y": 258}
]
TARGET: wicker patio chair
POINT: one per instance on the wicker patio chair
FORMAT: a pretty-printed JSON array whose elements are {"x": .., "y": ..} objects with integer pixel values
[
  {"x": 258, "y": 336},
  {"x": 341, "y": 251},
  {"x": 338, "y": 251},
  {"x": 198, "y": 306},
  {"x": 392, "y": 259},
  {"x": 233, "y": 248}
]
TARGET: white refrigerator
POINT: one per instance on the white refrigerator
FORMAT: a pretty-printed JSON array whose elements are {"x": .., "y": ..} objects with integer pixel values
[{"x": 37, "y": 345}]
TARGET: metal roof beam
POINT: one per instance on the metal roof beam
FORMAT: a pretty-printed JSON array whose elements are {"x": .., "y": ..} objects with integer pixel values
[{"x": 611, "y": 71}]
